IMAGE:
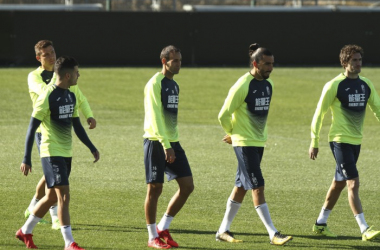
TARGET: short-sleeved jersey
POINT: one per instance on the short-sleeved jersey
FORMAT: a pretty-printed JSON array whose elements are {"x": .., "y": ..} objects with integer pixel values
[
  {"x": 347, "y": 98},
  {"x": 161, "y": 110},
  {"x": 245, "y": 111},
  {"x": 40, "y": 79},
  {"x": 56, "y": 107}
]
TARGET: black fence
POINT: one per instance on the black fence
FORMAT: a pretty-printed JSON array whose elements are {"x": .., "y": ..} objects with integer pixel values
[{"x": 205, "y": 38}]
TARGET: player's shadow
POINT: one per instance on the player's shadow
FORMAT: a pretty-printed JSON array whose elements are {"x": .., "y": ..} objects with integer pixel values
[{"x": 111, "y": 228}]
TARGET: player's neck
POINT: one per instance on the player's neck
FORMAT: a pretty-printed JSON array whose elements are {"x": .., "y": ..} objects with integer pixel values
[
  {"x": 351, "y": 75},
  {"x": 167, "y": 74},
  {"x": 47, "y": 67},
  {"x": 256, "y": 75},
  {"x": 62, "y": 85}
]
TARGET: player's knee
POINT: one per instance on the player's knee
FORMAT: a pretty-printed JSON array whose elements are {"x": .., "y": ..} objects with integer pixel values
[
  {"x": 155, "y": 189},
  {"x": 353, "y": 184},
  {"x": 186, "y": 189}
]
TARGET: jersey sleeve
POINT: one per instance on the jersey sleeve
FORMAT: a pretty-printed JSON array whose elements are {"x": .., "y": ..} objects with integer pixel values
[
  {"x": 36, "y": 85},
  {"x": 154, "y": 113},
  {"x": 374, "y": 100},
  {"x": 76, "y": 111},
  {"x": 327, "y": 97},
  {"x": 41, "y": 107},
  {"x": 83, "y": 104},
  {"x": 234, "y": 100}
]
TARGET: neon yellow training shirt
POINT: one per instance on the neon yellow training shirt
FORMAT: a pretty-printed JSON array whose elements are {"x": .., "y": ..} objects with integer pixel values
[
  {"x": 347, "y": 98},
  {"x": 55, "y": 108},
  {"x": 40, "y": 79},
  {"x": 161, "y": 110},
  {"x": 245, "y": 111}
]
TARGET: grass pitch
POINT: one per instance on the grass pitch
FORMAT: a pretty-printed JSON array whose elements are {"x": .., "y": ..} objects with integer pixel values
[{"x": 107, "y": 198}]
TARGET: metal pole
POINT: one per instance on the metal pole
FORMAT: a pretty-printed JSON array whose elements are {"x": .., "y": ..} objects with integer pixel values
[
  {"x": 174, "y": 5},
  {"x": 108, "y": 5},
  {"x": 253, "y": 2}
]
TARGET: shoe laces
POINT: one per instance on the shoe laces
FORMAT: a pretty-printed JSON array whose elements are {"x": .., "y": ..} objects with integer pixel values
[
  {"x": 280, "y": 236},
  {"x": 166, "y": 234},
  {"x": 229, "y": 233},
  {"x": 159, "y": 242}
]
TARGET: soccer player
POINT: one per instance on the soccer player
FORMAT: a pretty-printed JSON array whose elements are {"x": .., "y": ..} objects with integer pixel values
[
  {"x": 347, "y": 95},
  {"x": 38, "y": 81},
  {"x": 162, "y": 150},
  {"x": 243, "y": 118},
  {"x": 56, "y": 110}
]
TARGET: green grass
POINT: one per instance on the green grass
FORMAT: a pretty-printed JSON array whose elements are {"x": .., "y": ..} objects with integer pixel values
[{"x": 107, "y": 198}]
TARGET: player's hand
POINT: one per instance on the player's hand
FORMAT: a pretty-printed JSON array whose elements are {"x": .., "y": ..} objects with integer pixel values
[
  {"x": 96, "y": 155},
  {"x": 92, "y": 122},
  {"x": 25, "y": 169},
  {"x": 313, "y": 152},
  {"x": 169, "y": 155},
  {"x": 227, "y": 139}
]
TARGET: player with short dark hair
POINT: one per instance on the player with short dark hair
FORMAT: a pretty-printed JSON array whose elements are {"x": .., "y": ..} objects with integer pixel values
[
  {"x": 56, "y": 110},
  {"x": 39, "y": 80},
  {"x": 347, "y": 96},
  {"x": 162, "y": 150},
  {"x": 244, "y": 119}
]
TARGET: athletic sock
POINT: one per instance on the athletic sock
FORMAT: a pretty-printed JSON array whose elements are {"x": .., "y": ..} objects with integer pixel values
[
  {"x": 30, "y": 223},
  {"x": 361, "y": 222},
  {"x": 263, "y": 212},
  {"x": 165, "y": 222},
  {"x": 67, "y": 235},
  {"x": 53, "y": 213},
  {"x": 152, "y": 231},
  {"x": 33, "y": 202},
  {"x": 232, "y": 208},
  {"x": 323, "y": 216}
]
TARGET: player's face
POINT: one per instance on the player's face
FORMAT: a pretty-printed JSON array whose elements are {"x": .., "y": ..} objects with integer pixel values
[
  {"x": 354, "y": 66},
  {"x": 173, "y": 65},
  {"x": 47, "y": 57},
  {"x": 265, "y": 66},
  {"x": 73, "y": 80}
]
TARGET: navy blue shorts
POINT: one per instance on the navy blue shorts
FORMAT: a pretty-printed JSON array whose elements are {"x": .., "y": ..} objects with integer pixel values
[
  {"x": 346, "y": 155},
  {"x": 156, "y": 165},
  {"x": 56, "y": 170},
  {"x": 248, "y": 173}
]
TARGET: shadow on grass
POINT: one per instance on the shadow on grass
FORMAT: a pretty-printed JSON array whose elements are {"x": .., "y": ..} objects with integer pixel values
[{"x": 321, "y": 242}]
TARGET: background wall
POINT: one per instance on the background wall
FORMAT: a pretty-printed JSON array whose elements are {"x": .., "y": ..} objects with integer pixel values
[{"x": 205, "y": 38}]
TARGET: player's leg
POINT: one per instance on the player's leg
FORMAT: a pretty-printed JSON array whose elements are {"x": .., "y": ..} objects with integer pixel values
[
  {"x": 338, "y": 184},
  {"x": 154, "y": 160},
  {"x": 252, "y": 178},
  {"x": 347, "y": 156},
  {"x": 61, "y": 167},
  {"x": 181, "y": 172},
  {"x": 320, "y": 227},
  {"x": 40, "y": 192},
  {"x": 40, "y": 188},
  {"x": 40, "y": 209},
  {"x": 185, "y": 188},
  {"x": 232, "y": 207}
]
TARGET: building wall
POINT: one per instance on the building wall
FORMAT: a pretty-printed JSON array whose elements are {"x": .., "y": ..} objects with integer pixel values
[{"x": 205, "y": 38}]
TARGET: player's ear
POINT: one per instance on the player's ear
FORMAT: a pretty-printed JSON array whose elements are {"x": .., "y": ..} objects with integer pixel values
[
  {"x": 254, "y": 64},
  {"x": 163, "y": 61},
  {"x": 38, "y": 58}
]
